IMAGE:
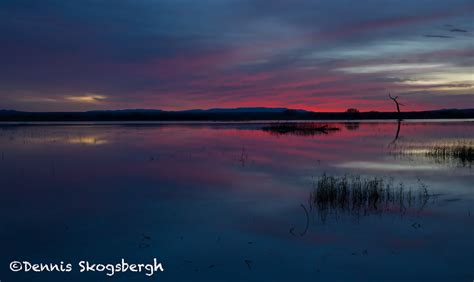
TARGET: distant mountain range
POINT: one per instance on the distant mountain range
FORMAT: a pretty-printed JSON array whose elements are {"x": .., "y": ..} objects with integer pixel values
[
  {"x": 235, "y": 114},
  {"x": 214, "y": 110}
]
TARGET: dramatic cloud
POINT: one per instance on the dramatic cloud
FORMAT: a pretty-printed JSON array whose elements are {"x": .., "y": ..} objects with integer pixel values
[
  {"x": 87, "y": 98},
  {"x": 178, "y": 54}
]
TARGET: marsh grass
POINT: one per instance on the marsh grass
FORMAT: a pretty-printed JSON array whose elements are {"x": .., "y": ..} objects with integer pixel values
[
  {"x": 457, "y": 152},
  {"x": 463, "y": 152},
  {"x": 359, "y": 196},
  {"x": 302, "y": 129}
]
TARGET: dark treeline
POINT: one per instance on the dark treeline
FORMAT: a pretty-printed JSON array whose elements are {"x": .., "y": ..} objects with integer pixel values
[{"x": 227, "y": 115}]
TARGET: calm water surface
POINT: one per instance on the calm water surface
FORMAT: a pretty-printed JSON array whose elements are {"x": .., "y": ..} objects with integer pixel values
[{"x": 231, "y": 202}]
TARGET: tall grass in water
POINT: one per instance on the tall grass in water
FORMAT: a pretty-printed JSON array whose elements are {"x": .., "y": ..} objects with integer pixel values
[
  {"x": 303, "y": 128},
  {"x": 455, "y": 152},
  {"x": 364, "y": 196},
  {"x": 462, "y": 151}
]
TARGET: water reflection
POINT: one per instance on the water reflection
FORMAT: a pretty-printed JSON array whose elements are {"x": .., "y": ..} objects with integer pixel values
[
  {"x": 86, "y": 140},
  {"x": 386, "y": 166},
  {"x": 399, "y": 123},
  {"x": 234, "y": 197},
  {"x": 62, "y": 135},
  {"x": 352, "y": 125}
]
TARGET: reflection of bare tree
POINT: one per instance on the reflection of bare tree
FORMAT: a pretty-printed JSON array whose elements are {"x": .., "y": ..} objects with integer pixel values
[{"x": 399, "y": 122}]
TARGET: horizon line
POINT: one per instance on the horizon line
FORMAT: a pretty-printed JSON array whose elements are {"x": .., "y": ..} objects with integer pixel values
[{"x": 225, "y": 109}]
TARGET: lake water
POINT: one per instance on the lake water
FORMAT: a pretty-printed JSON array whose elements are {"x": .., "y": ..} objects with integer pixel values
[{"x": 233, "y": 202}]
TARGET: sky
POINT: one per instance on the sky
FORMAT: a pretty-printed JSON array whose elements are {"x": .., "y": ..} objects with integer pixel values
[{"x": 58, "y": 55}]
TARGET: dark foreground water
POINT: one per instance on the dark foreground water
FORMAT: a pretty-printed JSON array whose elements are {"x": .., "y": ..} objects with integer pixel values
[{"x": 217, "y": 202}]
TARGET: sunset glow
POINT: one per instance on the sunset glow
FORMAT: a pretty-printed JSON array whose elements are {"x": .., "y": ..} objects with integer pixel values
[{"x": 175, "y": 55}]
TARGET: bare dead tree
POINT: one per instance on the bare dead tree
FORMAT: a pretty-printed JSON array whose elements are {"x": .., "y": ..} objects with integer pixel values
[{"x": 394, "y": 99}]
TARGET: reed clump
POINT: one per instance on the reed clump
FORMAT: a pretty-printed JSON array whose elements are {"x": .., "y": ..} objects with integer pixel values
[
  {"x": 463, "y": 151},
  {"x": 303, "y": 129},
  {"x": 359, "y": 196},
  {"x": 456, "y": 152}
]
